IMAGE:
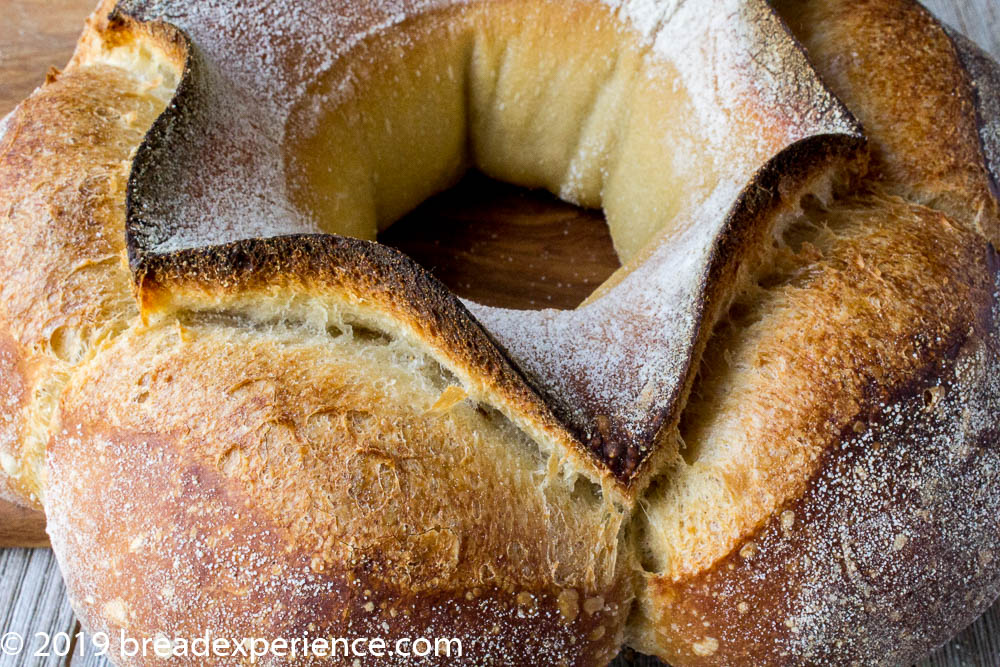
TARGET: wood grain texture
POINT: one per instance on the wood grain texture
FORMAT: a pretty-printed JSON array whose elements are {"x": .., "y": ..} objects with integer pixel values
[
  {"x": 32, "y": 600},
  {"x": 504, "y": 246},
  {"x": 20, "y": 527},
  {"x": 479, "y": 220},
  {"x": 34, "y": 36},
  {"x": 977, "y": 19}
]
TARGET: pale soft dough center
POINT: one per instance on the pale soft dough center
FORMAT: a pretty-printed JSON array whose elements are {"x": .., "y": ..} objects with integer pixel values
[{"x": 563, "y": 98}]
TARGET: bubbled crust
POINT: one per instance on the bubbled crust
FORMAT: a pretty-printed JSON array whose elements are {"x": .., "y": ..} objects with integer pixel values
[
  {"x": 64, "y": 280},
  {"x": 293, "y": 506}
]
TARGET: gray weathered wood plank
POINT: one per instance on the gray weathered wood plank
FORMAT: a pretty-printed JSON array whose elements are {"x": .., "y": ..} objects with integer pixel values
[
  {"x": 33, "y": 600},
  {"x": 978, "y": 19}
]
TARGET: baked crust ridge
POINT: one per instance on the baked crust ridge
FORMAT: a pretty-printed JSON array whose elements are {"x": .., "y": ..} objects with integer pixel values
[{"x": 621, "y": 454}]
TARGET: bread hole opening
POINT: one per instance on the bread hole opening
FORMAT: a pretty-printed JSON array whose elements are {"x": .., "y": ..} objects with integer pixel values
[
  {"x": 285, "y": 321},
  {"x": 391, "y": 143},
  {"x": 641, "y": 532},
  {"x": 514, "y": 434},
  {"x": 933, "y": 396},
  {"x": 66, "y": 344},
  {"x": 506, "y": 246},
  {"x": 587, "y": 491},
  {"x": 370, "y": 336}
]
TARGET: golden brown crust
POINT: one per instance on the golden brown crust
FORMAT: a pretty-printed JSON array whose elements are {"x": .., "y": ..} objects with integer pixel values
[
  {"x": 199, "y": 576},
  {"x": 867, "y": 474},
  {"x": 296, "y": 505},
  {"x": 917, "y": 105},
  {"x": 390, "y": 282},
  {"x": 620, "y": 451},
  {"x": 64, "y": 281},
  {"x": 14, "y": 394},
  {"x": 886, "y": 553},
  {"x": 887, "y": 320},
  {"x": 376, "y": 278}
]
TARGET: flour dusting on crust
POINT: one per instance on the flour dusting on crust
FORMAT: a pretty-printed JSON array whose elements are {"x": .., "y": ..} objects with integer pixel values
[
  {"x": 893, "y": 545},
  {"x": 624, "y": 359},
  {"x": 614, "y": 371}
]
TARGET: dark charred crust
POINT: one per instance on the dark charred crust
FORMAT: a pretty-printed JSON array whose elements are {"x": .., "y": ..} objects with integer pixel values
[
  {"x": 984, "y": 76},
  {"x": 139, "y": 233}
]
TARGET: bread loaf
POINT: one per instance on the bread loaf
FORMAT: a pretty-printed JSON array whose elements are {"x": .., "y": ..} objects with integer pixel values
[{"x": 771, "y": 438}]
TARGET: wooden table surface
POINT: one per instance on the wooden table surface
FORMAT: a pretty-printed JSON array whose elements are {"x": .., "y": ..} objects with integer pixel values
[{"x": 38, "y": 34}]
